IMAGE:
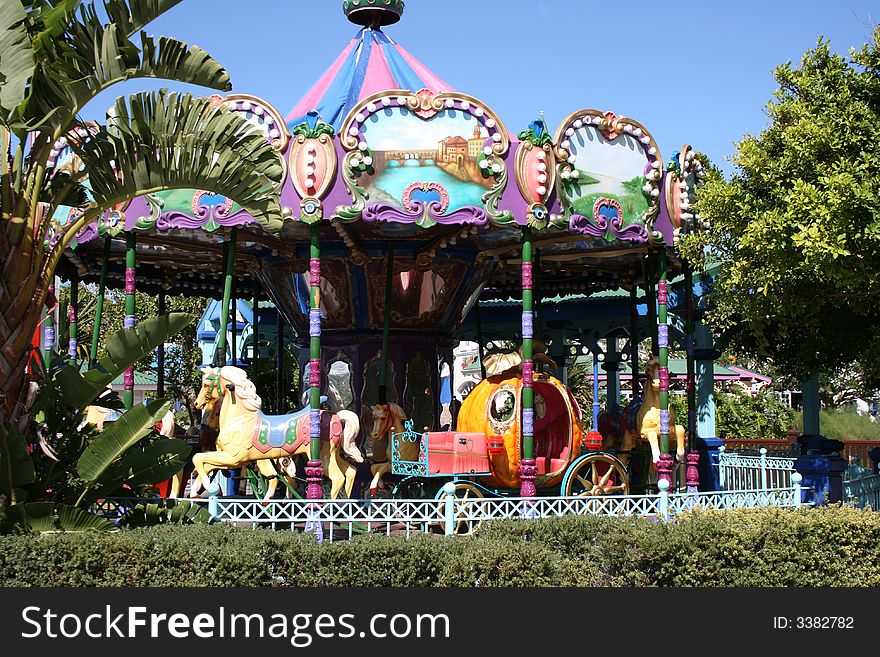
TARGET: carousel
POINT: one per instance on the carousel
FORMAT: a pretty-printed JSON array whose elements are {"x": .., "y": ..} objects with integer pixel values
[{"x": 405, "y": 204}]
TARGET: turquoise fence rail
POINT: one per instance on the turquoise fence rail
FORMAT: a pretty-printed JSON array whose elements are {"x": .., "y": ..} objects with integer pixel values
[{"x": 747, "y": 472}]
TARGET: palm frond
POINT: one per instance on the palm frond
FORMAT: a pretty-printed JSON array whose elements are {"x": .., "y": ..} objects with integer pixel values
[
  {"x": 91, "y": 56},
  {"x": 133, "y": 15},
  {"x": 16, "y": 56},
  {"x": 167, "y": 140}
]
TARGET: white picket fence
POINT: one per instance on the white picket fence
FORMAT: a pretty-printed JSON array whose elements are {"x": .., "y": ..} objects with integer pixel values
[
  {"x": 339, "y": 519},
  {"x": 747, "y": 472},
  {"x": 861, "y": 487}
]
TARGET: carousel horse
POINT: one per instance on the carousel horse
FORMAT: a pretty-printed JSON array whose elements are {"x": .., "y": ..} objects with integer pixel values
[
  {"x": 97, "y": 416},
  {"x": 248, "y": 435},
  {"x": 387, "y": 419},
  {"x": 210, "y": 401},
  {"x": 646, "y": 425}
]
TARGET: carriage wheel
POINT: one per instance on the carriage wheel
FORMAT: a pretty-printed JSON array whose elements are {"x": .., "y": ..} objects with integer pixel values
[
  {"x": 463, "y": 490},
  {"x": 597, "y": 474},
  {"x": 412, "y": 489}
]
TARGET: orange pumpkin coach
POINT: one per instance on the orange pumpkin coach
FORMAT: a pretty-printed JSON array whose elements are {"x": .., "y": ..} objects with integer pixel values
[{"x": 485, "y": 452}]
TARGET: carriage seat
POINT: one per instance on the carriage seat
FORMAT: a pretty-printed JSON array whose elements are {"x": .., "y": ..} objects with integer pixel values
[
  {"x": 558, "y": 464},
  {"x": 456, "y": 452}
]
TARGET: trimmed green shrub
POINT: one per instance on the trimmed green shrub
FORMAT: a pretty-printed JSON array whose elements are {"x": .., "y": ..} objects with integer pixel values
[{"x": 833, "y": 546}]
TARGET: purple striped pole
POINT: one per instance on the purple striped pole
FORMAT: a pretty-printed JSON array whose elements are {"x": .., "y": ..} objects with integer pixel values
[
  {"x": 527, "y": 469},
  {"x": 71, "y": 316},
  {"x": 664, "y": 466}
]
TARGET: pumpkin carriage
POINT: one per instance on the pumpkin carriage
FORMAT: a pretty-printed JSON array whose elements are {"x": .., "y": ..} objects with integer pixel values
[{"x": 485, "y": 455}]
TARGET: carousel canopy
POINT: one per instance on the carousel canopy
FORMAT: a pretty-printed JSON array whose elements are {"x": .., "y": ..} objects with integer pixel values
[{"x": 382, "y": 151}]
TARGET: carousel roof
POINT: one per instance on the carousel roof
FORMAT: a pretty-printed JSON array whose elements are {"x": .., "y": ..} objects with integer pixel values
[
  {"x": 371, "y": 62},
  {"x": 382, "y": 151}
]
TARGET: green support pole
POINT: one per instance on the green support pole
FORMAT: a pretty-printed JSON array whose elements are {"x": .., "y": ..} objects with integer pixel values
[
  {"x": 129, "y": 321},
  {"x": 314, "y": 470},
  {"x": 234, "y": 324},
  {"x": 279, "y": 363},
  {"x": 664, "y": 466},
  {"x": 691, "y": 363},
  {"x": 651, "y": 299},
  {"x": 255, "y": 356},
  {"x": 386, "y": 327},
  {"x": 692, "y": 474},
  {"x": 71, "y": 317},
  {"x": 99, "y": 305},
  {"x": 160, "y": 352},
  {"x": 527, "y": 469},
  {"x": 228, "y": 269}
]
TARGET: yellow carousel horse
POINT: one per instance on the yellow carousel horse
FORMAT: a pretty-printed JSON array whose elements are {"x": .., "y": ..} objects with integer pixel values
[
  {"x": 210, "y": 401},
  {"x": 248, "y": 435},
  {"x": 98, "y": 415},
  {"x": 647, "y": 421},
  {"x": 387, "y": 419}
]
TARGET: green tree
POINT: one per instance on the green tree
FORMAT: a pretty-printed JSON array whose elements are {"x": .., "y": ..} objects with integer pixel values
[
  {"x": 796, "y": 229},
  {"x": 55, "y": 57},
  {"x": 762, "y": 415},
  {"x": 183, "y": 378}
]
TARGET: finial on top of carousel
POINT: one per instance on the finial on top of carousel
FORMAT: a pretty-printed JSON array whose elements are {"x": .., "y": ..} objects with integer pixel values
[{"x": 373, "y": 13}]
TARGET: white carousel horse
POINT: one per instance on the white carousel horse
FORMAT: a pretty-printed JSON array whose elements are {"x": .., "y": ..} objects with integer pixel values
[{"x": 248, "y": 435}]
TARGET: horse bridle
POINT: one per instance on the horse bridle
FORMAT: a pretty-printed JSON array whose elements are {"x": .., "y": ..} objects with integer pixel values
[{"x": 214, "y": 380}]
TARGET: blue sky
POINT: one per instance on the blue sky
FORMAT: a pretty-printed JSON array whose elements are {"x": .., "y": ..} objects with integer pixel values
[{"x": 691, "y": 72}]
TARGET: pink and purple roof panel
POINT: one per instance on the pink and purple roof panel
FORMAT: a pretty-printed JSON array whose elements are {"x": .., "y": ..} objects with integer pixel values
[{"x": 371, "y": 62}]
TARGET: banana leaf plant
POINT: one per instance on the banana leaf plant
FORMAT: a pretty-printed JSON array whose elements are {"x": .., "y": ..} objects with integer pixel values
[
  {"x": 165, "y": 512},
  {"x": 70, "y": 464},
  {"x": 55, "y": 57}
]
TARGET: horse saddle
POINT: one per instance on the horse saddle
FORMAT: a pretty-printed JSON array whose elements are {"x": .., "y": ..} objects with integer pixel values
[{"x": 280, "y": 431}]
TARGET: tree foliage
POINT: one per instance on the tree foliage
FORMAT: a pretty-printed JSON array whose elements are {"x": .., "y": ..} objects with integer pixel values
[
  {"x": 183, "y": 357},
  {"x": 797, "y": 227},
  {"x": 761, "y": 416}
]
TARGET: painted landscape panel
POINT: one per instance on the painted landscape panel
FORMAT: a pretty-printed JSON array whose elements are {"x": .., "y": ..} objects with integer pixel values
[
  {"x": 608, "y": 169},
  {"x": 443, "y": 150}
]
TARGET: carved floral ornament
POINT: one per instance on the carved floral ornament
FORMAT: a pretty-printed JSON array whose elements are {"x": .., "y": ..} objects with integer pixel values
[
  {"x": 535, "y": 172},
  {"x": 313, "y": 165},
  {"x": 684, "y": 174}
]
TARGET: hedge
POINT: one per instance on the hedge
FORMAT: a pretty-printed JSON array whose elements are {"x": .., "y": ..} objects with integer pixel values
[{"x": 835, "y": 546}]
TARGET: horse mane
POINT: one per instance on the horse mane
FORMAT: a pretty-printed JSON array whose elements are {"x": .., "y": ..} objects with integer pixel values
[{"x": 245, "y": 390}]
